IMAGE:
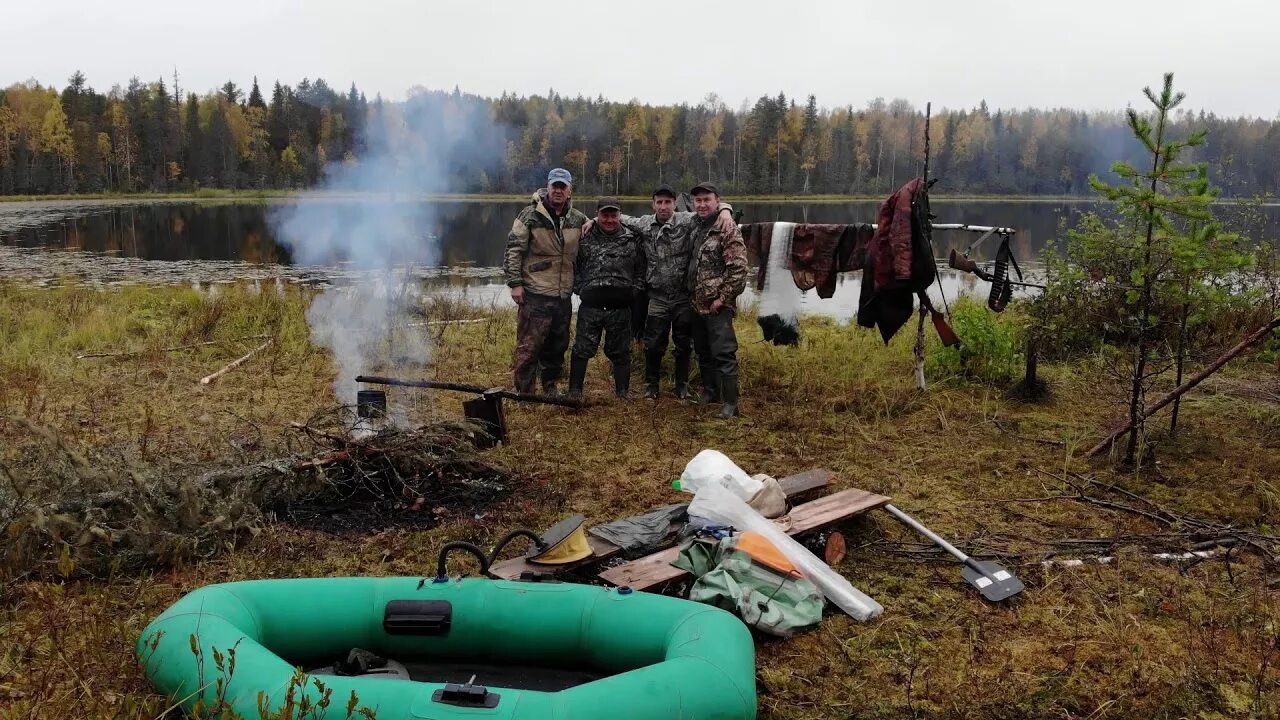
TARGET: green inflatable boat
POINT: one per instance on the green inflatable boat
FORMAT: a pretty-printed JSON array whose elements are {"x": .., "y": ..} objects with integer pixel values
[{"x": 450, "y": 648}]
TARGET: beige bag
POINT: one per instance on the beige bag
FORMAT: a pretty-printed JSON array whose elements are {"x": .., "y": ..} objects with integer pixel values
[{"x": 769, "y": 500}]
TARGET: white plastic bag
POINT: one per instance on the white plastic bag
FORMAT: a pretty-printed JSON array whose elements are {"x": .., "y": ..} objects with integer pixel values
[
  {"x": 722, "y": 507},
  {"x": 712, "y": 467}
]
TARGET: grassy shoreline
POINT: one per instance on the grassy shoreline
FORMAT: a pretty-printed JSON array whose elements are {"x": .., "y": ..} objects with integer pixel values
[
  {"x": 264, "y": 195},
  {"x": 1133, "y": 638},
  {"x": 260, "y": 196}
]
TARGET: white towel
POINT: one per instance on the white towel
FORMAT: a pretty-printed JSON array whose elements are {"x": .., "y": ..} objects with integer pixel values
[{"x": 780, "y": 297}]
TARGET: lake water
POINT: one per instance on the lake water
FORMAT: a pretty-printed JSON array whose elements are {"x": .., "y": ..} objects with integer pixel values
[{"x": 106, "y": 242}]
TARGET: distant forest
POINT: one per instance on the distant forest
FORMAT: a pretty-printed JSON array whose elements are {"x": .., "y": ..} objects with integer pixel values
[{"x": 155, "y": 137}]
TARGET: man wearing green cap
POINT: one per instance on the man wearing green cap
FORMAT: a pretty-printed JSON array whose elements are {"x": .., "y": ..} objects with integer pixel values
[
  {"x": 717, "y": 275},
  {"x": 606, "y": 279},
  {"x": 542, "y": 249}
]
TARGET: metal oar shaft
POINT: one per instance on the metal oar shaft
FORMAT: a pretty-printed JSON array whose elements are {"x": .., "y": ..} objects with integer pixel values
[{"x": 926, "y": 532}]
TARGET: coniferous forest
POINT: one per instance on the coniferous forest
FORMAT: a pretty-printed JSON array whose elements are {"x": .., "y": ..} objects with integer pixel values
[{"x": 158, "y": 137}]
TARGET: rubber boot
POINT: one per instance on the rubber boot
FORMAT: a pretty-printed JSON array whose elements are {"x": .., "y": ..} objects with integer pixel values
[
  {"x": 622, "y": 380},
  {"x": 652, "y": 370},
  {"x": 577, "y": 376},
  {"x": 710, "y": 387},
  {"x": 682, "y": 377},
  {"x": 729, "y": 394}
]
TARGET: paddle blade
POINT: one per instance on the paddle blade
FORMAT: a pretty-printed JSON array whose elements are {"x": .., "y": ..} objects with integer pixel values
[{"x": 993, "y": 581}]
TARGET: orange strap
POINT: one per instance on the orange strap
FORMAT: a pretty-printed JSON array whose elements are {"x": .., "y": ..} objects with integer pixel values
[{"x": 764, "y": 552}]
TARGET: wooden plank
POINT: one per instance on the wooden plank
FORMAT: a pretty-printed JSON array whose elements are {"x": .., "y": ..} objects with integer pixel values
[
  {"x": 800, "y": 483},
  {"x": 602, "y": 549},
  {"x": 655, "y": 570}
]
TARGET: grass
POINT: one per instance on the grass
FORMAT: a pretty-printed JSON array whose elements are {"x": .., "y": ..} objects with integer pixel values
[{"x": 1135, "y": 638}]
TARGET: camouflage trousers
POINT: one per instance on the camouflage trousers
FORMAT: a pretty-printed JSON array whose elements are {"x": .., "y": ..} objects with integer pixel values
[
  {"x": 676, "y": 323},
  {"x": 542, "y": 336},
  {"x": 614, "y": 325}
]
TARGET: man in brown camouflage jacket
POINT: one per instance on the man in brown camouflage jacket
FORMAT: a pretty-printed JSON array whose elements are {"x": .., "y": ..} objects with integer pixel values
[
  {"x": 542, "y": 249},
  {"x": 717, "y": 276}
]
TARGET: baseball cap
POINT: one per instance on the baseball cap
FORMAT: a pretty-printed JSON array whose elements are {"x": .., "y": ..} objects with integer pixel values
[
  {"x": 559, "y": 175},
  {"x": 704, "y": 187},
  {"x": 664, "y": 189},
  {"x": 606, "y": 202}
]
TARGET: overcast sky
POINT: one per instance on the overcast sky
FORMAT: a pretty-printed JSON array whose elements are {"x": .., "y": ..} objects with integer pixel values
[{"x": 1088, "y": 54}]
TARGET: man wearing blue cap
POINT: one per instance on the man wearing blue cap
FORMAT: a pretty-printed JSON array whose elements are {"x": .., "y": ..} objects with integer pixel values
[{"x": 542, "y": 248}]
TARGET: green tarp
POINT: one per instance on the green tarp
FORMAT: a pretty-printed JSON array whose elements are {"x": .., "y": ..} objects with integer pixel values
[{"x": 764, "y": 598}]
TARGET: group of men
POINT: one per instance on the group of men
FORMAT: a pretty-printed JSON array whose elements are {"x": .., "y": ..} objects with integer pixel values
[{"x": 692, "y": 265}]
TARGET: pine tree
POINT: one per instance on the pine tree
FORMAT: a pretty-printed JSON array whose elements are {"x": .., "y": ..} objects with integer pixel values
[
  {"x": 278, "y": 119},
  {"x": 231, "y": 93},
  {"x": 255, "y": 95},
  {"x": 1161, "y": 251},
  {"x": 193, "y": 151}
]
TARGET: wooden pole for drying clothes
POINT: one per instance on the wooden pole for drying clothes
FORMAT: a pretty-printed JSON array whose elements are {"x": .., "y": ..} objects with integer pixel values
[
  {"x": 1177, "y": 392},
  {"x": 919, "y": 349},
  {"x": 233, "y": 364}
]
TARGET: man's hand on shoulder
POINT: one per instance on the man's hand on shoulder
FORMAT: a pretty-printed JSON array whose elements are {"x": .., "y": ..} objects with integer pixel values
[{"x": 724, "y": 222}]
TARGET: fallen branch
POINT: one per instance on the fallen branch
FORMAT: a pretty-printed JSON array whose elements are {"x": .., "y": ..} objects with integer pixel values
[
  {"x": 233, "y": 364},
  {"x": 1108, "y": 559},
  {"x": 1177, "y": 392},
  {"x": 1218, "y": 532},
  {"x": 448, "y": 322},
  {"x": 1042, "y": 441},
  {"x": 169, "y": 349}
]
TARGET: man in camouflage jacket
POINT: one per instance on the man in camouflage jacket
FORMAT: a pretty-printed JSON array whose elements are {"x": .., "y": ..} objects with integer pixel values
[
  {"x": 606, "y": 278},
  {"x": 542, "y": 248},
  {"x": 666, "y": 245},
  {"x": 717, "y": 275}
]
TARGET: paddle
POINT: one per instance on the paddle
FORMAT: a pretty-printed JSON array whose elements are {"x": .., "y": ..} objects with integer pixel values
[{"x": 993, "y": 581}]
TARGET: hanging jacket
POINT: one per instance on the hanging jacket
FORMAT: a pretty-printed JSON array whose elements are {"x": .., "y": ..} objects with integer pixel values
[
  {"x": 542, "y": 248},
  {"x": 885, "y": 300},
  {"x": 818, "y": 252}
]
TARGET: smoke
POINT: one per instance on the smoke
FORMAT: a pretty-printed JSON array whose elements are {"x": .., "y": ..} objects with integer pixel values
[{"x": 376, "y": 224}]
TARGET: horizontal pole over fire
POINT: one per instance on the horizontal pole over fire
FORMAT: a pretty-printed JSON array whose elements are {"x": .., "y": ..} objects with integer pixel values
[{"x": 477, "y": 389}]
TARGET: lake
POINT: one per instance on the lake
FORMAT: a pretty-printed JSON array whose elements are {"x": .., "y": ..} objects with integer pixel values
[{"x": 109, "y": 242}]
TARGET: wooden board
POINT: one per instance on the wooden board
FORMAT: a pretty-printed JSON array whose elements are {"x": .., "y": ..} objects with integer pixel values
[
  {"x": 655, "y": 570},
  {"x": 807, "y": 481},
  {"x": 601, "y": 549}
]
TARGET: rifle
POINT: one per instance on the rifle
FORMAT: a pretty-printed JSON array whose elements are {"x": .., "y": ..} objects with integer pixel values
[{"x": 1001, "y": 285}]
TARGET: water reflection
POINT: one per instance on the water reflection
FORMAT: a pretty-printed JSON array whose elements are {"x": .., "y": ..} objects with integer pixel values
[{"x": 190, "y": 241}]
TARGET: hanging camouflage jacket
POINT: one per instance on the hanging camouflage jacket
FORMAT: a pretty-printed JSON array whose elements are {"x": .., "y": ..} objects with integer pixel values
[
  {"x": 718, "y": 266},
  {"x": 541, "y": 248},
  {"x": 609, "y": 267}
]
